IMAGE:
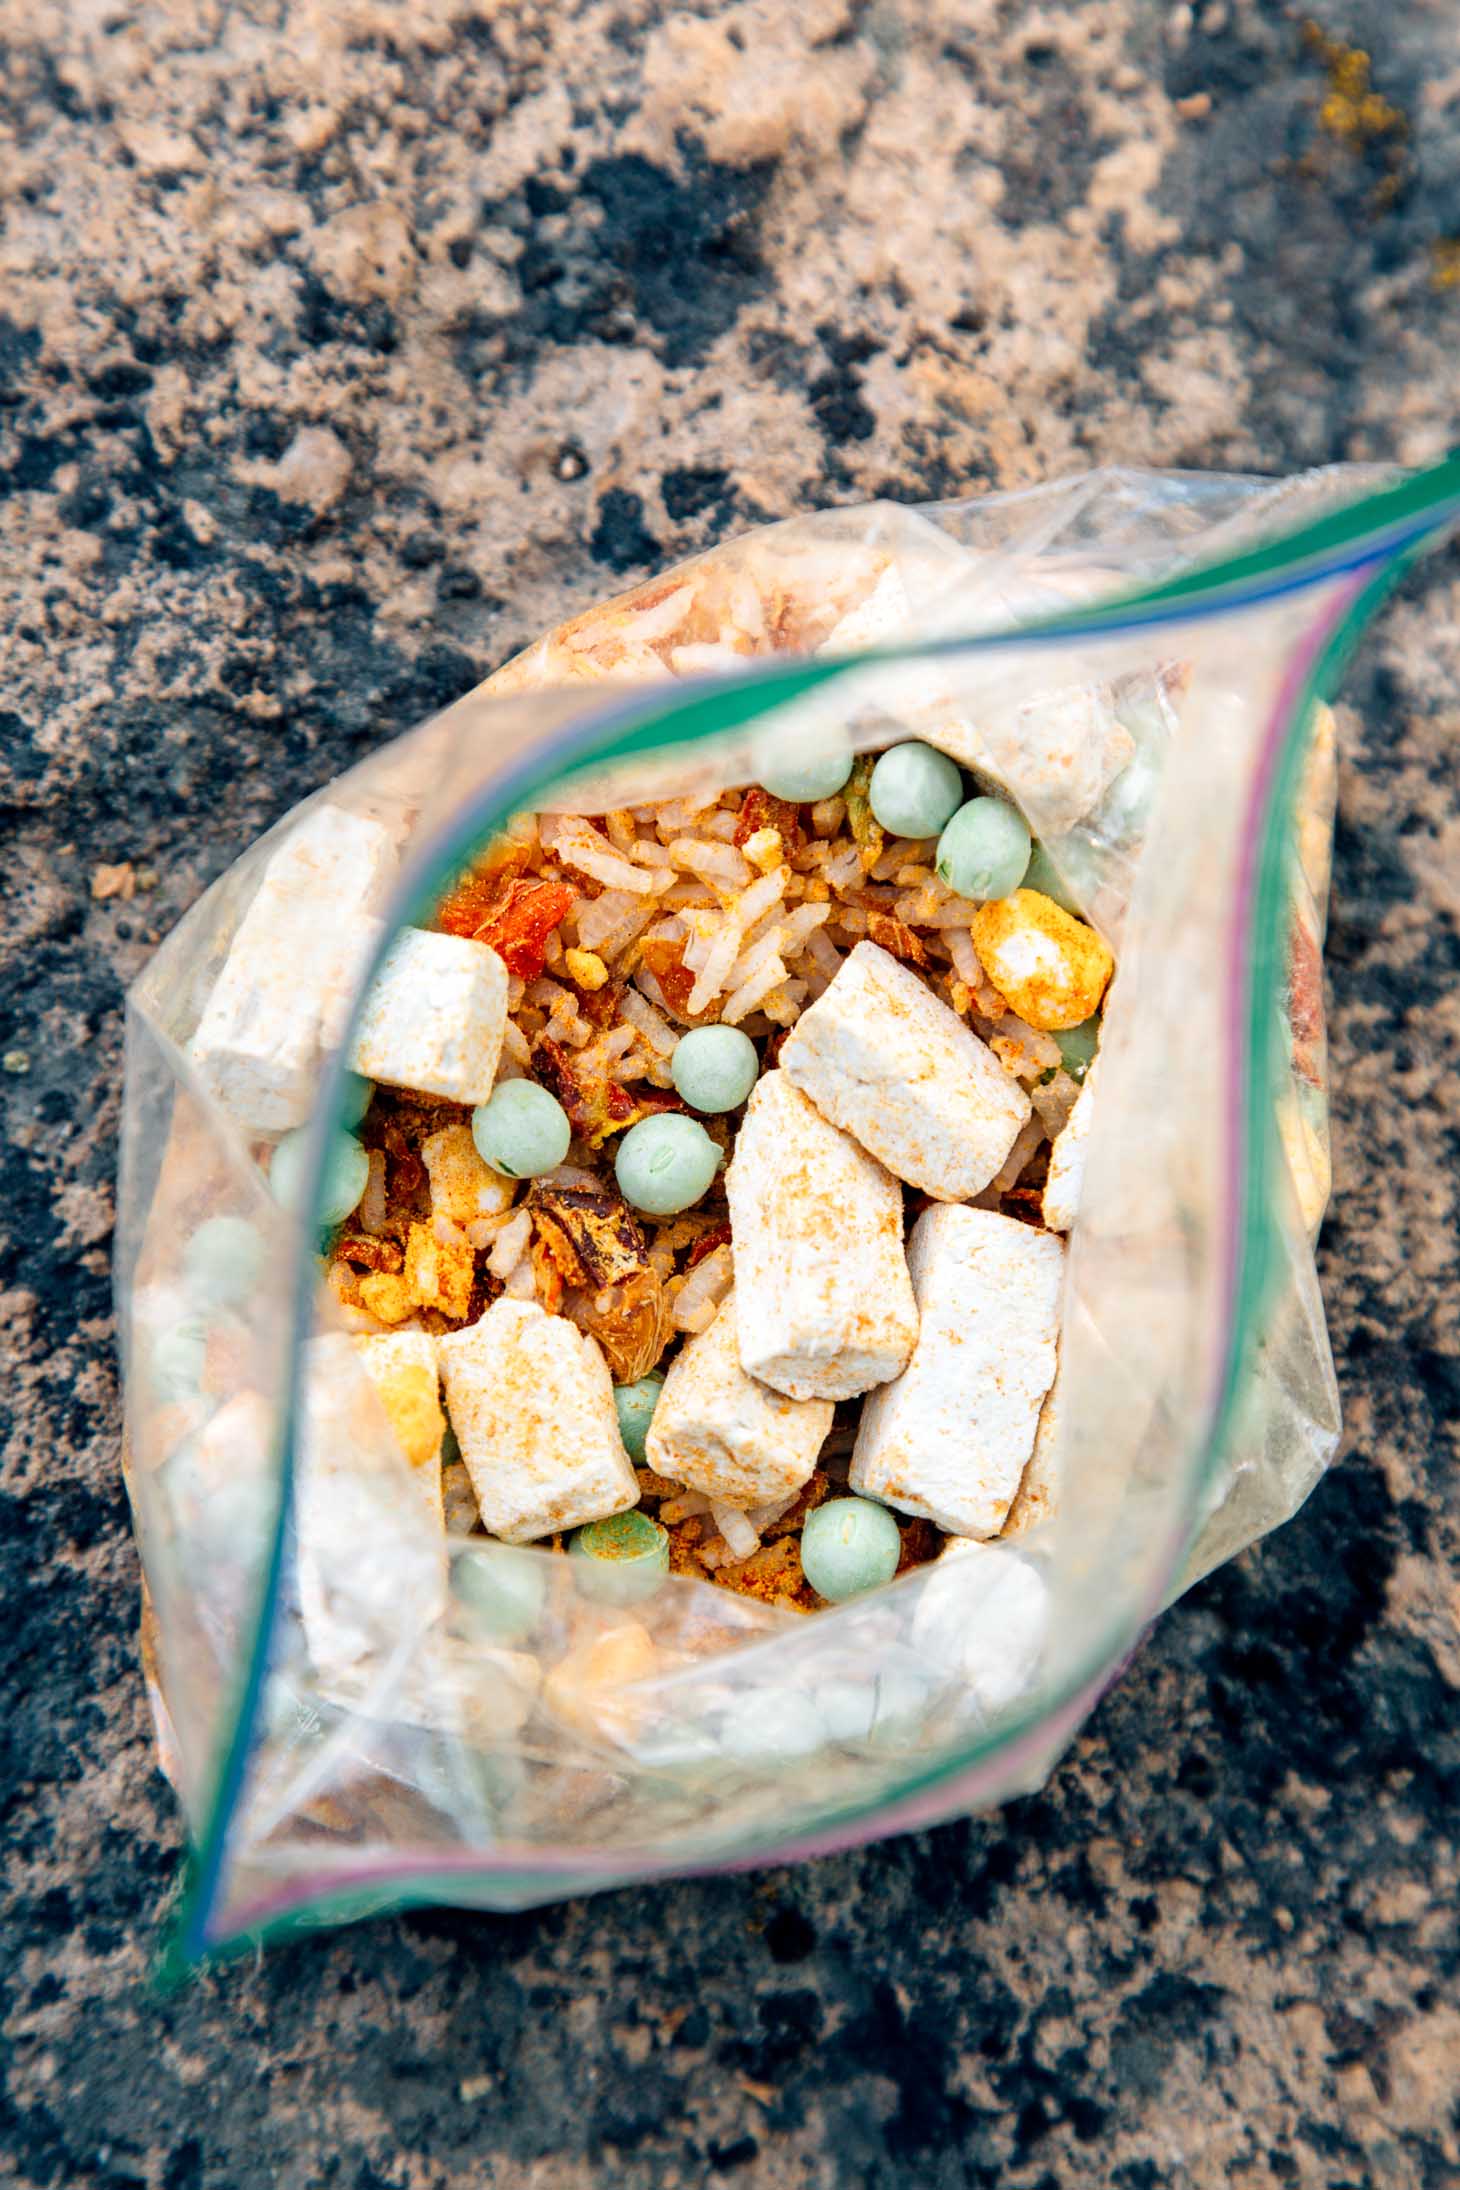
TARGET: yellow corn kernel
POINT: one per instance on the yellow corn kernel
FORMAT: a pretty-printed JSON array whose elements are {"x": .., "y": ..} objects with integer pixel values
[{"x": 763, "y": 849}]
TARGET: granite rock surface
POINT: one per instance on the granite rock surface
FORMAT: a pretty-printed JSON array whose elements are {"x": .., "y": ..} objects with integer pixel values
[{"x": 342, "y": 347}]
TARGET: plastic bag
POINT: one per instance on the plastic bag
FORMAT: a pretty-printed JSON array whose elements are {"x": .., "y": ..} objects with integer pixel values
[{"x": 359, "y": 1714}]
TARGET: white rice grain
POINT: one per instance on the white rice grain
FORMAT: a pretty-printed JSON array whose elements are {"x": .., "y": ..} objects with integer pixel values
[
  {"x": 582, "y": 848},
  {"x": 1029, "y": 1137},
  {"x": 751, "y": 992},
  {"x": 719, "y": 863},
  {"x": 510, "y": 1248},
  {"x": 599, "y": 916},
  {"x": 684, "y": 1508},
  {"x": 656, "y": 1030},
  {"x": 966, "y": 963},
  {"x": 714, "y": 972},
  {"x": 844, "y": 869},
  {"x": 702, "y": 1291},
  {"x": 756, "y": 954},
  {"x": 736, "y": 1529},
  {"x": 823, "y": 953}
]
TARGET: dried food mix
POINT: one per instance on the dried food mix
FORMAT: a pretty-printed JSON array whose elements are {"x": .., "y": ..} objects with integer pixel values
[{"x": 677, "y": 1087}]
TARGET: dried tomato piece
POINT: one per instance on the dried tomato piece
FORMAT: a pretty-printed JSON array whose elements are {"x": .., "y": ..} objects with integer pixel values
[
  {"x": 596, "y": 1105},
  {"x": 665, "y": 960},
  {"x": 717, "y": 1236},
  {"x": 518, "y": 925},
  {"x": 758, "y": 810},
  {"x": 894, "y": 935},
  {"x": 472, "y": 896},
  {"x": 553, "y": 1065},
  {"x": 369, "y": 1253}
]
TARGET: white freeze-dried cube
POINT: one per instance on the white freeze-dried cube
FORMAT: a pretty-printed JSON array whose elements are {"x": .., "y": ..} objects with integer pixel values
[
  {"x": 531, "y": 1402},
  {"x": 463, "y": 1188},
  {"x": 1037, "y": 1498},
  {"x": 402, "y": 1367},
  {"x": 951, "y": 1437},
  {"x": 723, "y": 1433},
  {"x": 884, "y": 1059},
  {"x": 435, "y": 1017},
  {"x": 292, "y": 967},
  {"x": 823, "y": 1302},
  {"x": 983, "y": 1613},
  {"x": 1057, "y": 752},
  {"x": 1061, "y": 1200},
  {"x": 371, "y": 1550}
]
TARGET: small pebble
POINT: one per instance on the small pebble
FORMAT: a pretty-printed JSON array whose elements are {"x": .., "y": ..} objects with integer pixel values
[
  {"x": 984, "y": 850},
  {"x": 521, "y": 1130},
  {"x": 634, "y": 1405},
  {"x": 848, "y": 1545},
  {"x": 915, "y": 790},
  {"x": 714, "y": 1068},
  {"x": 624, "y": 1559},
  {"x": 665, "y": 1164},
  {"x": 346, "y": 1171}
]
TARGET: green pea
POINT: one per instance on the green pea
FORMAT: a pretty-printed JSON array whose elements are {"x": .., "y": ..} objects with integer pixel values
[
  {"x": 346, "y": 1169},
  {"x": 1077, "y": 1047},
  {"x": 223, "y": 1261},
  {"x": 502, "y": 1588},
  {"x": 1041, "y": 874},
  {"x": 1126, "y": 806},
  {"x": 176, "y": 1358},
  {"x": 915, "y": 790},
  {"x": 984, "y": 850},
  {"x": 714, "y": 1068},
  {"x": 356, "y": 1095},
  {"x": 801, "y": 781},
  {"x": 521, "y": 1130},
  {"x": 767, "y": 1725},
  {"x": 621, "y": 1560},
  {"x": 849, "y": 1545},
  {"x": 664, "y": 1164},
  {"x": 634, "y": 1405}
]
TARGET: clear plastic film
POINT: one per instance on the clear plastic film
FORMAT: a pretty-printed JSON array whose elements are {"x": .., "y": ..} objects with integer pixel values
[{"x": 364, "y": 1707}]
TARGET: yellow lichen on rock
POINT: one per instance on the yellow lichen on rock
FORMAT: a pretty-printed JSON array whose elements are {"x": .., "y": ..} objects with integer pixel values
[{"x": 1050, "y": 968}]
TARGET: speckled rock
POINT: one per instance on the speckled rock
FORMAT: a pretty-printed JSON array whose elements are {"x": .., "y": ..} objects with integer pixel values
[{"x": 343, "y": 346}]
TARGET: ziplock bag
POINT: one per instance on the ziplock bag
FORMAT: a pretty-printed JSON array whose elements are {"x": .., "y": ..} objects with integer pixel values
[{"x": 359, "y": 1716}]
